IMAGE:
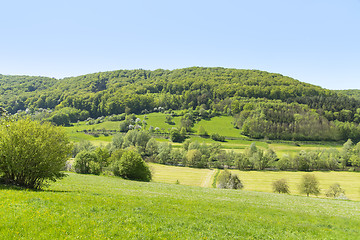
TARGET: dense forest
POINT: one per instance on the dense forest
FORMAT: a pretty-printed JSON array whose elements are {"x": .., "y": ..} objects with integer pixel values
[
  {"x": 354, "y": 93},
  {"x": 264, "y": 105}
]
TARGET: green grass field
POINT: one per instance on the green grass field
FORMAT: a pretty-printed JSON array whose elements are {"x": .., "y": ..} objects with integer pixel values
[
  {"x": 259, "y": 180},
  {"x": 98, "y": 207},
  {"x": 262, "y": 181},
  {"x": 185, "y": 175}
]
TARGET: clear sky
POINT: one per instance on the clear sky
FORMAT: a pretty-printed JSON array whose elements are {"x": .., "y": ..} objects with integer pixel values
[{"x": 315, "y": 41}]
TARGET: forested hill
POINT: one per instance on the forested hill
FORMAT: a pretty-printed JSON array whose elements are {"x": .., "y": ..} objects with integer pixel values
[
  {"x": 354, "y": 93},
  {"x": 111, "y": 92},
  {"x": 240, "y": 93}
]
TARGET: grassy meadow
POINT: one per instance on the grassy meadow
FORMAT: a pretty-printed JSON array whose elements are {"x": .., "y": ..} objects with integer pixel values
[
  {"x": 99, "y": 207},
  {"x": 182, "y": 175},
  {"x": 259, "y": 180}
]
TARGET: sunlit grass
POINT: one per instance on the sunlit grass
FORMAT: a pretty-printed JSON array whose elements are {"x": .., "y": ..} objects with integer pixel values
[
  {"x": 262, "y": 181},
  {"x": 185, "y": 175},
  {"x": 97, "y": 207}
]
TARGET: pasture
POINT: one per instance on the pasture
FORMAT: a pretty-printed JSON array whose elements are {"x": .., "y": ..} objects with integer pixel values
[
  {"x": 259, "y": 180},
  {"x": 98, "y": 207}
]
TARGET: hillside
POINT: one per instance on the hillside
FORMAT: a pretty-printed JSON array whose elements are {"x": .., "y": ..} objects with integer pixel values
[
  {"x": 285, "y": 108},
  {"x": 97, "y": 207},
  {"x": 184, "y": 88},
  {"x": 354, "y": 93}
]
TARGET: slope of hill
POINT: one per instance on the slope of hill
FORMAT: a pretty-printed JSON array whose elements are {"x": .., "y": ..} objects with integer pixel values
[
  {"x": 256, "y": 98},
  {"x": 354, "y": 93},
  {"x": 112, "y": 92},
  {"x": 85, "y": 206}
]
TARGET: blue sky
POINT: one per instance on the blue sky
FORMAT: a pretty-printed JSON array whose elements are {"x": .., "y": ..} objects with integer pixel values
[{"x": 313, "y": 41}]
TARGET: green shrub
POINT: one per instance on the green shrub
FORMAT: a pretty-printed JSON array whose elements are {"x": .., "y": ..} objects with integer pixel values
[
  {"x": 217, "y": 137},
  {"x": 131, "y": 166},
  {"x": 280, "y": 186},
  {"x": 228, "y": 180},
  {"x": 87, "y": 163},
  {"x": 335, "y": 191},
  {"x": 32, "y": 153},
  {"x": 176, "y": 136}
]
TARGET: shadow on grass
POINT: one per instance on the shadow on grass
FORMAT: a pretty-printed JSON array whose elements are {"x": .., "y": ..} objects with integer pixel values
[{"x": 4, "y": 186}]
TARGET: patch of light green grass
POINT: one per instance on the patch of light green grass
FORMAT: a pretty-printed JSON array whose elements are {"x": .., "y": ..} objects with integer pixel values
[
  {"x": 222, "y": 125},
  {"x": 185, "y": 175}
]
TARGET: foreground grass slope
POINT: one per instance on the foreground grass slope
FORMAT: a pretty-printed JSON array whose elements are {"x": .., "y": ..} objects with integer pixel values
[{"x": 96, "y": 207}]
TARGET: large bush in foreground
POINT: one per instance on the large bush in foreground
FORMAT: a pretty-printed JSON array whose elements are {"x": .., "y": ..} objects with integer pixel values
[
  {"x": 130, "y": 165},
  {"x": 32, "y": 153}
]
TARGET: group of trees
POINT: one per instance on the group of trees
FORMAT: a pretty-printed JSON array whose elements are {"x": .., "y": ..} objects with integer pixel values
[
  {"x": 326, "y": 159},
  {"x": 279, "y": 120},
  {"x": 309, "y": 185},
  {"x": 122, "y": 157}
]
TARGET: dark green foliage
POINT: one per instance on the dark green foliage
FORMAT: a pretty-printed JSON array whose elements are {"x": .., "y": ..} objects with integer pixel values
[
  {"x": 32, "y": 153},
  {"x": 164, "y": 153},
  {"x": 87, "y": 162},
  {"x": 309, "y": 185},
  {"x": 131, "y": 166},
  {"x": 354, "y": 93},
  {"x": 176, "y": 136},
  {"x": 194, "y": 159},
  {"x": 280, "y": 186},
  {"x": 217, "y": 137},
  {"x": 118, "y": 141},
  {"x": 277, "y": 120},
  {"x": 228, "y": 180},
  {"x": 137, "y": 139}
]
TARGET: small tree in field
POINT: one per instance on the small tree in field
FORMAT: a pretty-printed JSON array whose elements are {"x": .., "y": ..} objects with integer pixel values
[
  {"x": 280, "y": 186},
  {"x": 32, "y": 153},
  {"x": 309, "y": 185}
]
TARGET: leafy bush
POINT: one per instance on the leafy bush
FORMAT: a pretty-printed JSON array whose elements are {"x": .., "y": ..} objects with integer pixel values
[
  {"x": 335, "y": 191},
  {"x": 32, "y": 153},
  {"x": 228, "y": 180},
  {"x": 280, "y": 186},
  {"x": 87, "y": 162},
  {"x": 217, "y": 137},
  {"x": 130, "y": 166},
  {"x": 176, "y": 136}
]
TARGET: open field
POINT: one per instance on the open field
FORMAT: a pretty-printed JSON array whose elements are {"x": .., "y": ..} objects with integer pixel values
[
  {"x": 97, "y": 207},
  {"x": 262, "y": 181},
  {"x": 258, "y": 180},
  {"x": 185, "y": 175}
]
